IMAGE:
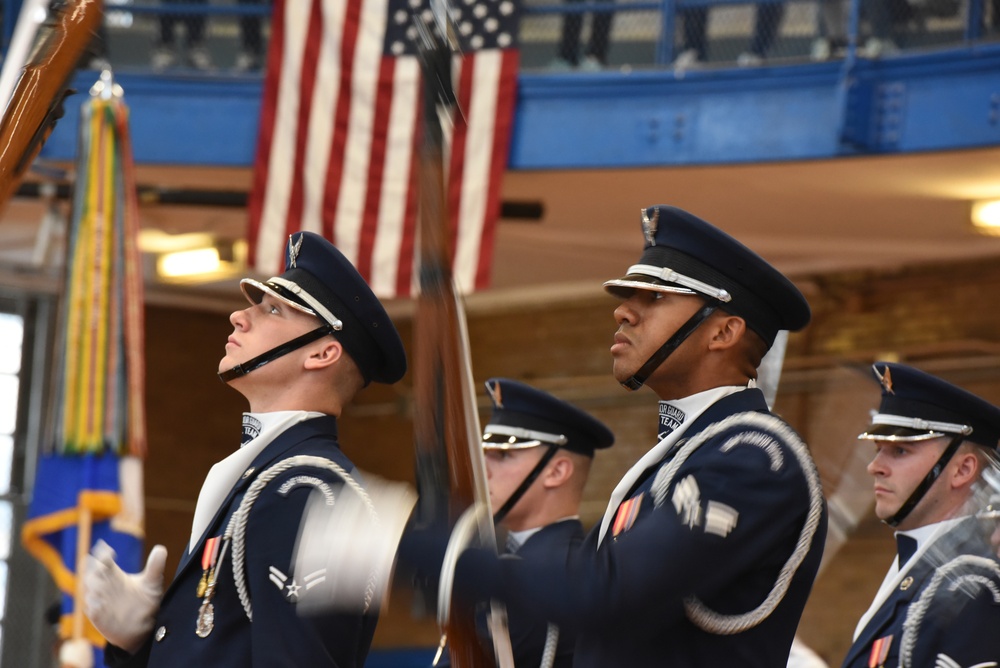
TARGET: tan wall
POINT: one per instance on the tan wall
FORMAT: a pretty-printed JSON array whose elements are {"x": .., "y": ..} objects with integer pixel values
[{"x": 943, "y": 318}]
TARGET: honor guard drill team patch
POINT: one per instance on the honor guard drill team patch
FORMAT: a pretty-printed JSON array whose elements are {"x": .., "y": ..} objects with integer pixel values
[
  {"x": 251, "y": 429},
  {"x": 671, "y": 417}
]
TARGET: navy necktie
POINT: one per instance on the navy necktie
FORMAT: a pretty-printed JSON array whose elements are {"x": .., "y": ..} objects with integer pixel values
[
  {"x": 905, "y": 547},
  {"x": 511, "y": 545}
]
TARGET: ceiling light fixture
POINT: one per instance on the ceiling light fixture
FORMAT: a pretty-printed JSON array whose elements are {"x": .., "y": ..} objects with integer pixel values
[
  {"x": 986, "y": 216},
  {"x": 189, "y": 263},
  {"x": 152, "y": 240}
]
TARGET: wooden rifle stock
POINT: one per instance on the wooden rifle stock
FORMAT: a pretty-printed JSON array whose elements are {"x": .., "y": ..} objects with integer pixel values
[
  {"x": 37, "y": 101},
  {"x": 450, "y": 471}
]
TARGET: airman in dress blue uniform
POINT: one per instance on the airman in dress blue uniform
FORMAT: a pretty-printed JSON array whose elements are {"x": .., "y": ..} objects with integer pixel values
[
  {"x": 539, "y": 450},
  {"x": 939, "y": 604},
  {"x": 711, "y": 542},
  {"x": 309, "y": 341}
]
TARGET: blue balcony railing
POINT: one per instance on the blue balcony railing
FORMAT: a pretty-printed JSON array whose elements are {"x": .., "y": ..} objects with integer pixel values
[
  {"x": 899, "y": 75},
  {"x": 230, "y": 36}
]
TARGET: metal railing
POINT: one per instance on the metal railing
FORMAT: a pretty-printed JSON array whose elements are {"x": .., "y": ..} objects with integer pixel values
[
  {"x": 801, "y": 30},
  {"x": 230, "y": 36}
]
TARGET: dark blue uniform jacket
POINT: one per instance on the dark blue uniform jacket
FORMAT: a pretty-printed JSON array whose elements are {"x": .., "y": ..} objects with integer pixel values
[
  {"x": 277, "y": 636},
  {"x": 527, "y": 635},
  {"x": 721, "y": 532},
  {"x": 961, "y": 607},
  {"x": 527, "y": 632}
]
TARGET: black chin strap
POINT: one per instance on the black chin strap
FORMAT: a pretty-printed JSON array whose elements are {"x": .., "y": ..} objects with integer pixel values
[
  {"x": 926, "y": 483},
  {"x": 275, "y": 353},
  {"x": 640, "y": 376},
  {"x": 499, "y": 515}
]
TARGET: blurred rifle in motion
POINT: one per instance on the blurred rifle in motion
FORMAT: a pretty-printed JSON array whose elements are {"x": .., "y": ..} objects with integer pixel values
[{"x": 36, "y": 102}]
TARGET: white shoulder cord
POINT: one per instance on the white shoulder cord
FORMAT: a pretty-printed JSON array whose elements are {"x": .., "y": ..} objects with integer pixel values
[
  {"x": 917, "y": 611},
  {"x": 551, "y": 642},
  {"x": 768, "y": 432},
  {"x": 236, "y": 529}
]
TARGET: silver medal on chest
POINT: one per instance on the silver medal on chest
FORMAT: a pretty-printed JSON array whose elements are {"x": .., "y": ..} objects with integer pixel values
[{"x": 206, "y": 619}]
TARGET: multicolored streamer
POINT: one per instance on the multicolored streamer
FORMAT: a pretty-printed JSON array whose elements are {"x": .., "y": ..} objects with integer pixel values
[
  {"x": 89, "y": 482},
  {"x": 101, "y": 377}
]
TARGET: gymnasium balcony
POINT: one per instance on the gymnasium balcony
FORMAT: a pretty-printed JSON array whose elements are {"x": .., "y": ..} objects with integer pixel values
[{"x": 908, "y": 91}]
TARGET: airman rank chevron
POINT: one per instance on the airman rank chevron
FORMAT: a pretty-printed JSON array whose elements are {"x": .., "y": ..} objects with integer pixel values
[
  {"x": 625, "y": 517},
  {"x": 880, "y": 651},
  {"x": 687, "y": 501},
  {"x": 720, "y": 518},
  {"x": 945, "y": 661},
  {"x": 281, "y": 581}
]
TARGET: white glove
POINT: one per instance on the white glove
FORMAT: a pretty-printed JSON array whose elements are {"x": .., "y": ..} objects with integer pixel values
[
  {"x": 76, "y": 653},
  {"x": 120, "y": 605}
]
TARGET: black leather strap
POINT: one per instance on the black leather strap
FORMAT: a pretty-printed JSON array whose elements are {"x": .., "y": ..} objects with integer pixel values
[
  {"x": 275, "y": 353},
  {"x": 525, "y": 484},
  {"x": 926, "y": 483},
  {"x": 639, "y": 377}
]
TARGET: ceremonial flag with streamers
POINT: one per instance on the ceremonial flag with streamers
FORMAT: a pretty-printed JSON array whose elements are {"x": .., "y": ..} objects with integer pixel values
[
  {"x": 339, "y": 130},
  {"x": 89, "y": 481}
]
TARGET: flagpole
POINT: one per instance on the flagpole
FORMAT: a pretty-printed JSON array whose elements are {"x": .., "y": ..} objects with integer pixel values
[
  {"x": 101, "y": 432},
  {"x": 83, "y": 535}
]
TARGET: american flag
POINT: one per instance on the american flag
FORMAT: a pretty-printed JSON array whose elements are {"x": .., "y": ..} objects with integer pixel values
[{"x": 340, "y": 124}]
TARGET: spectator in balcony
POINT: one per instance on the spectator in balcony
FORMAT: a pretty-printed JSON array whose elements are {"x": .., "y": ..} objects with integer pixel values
[
  {"x": 596, "y": 57},
  {"x": 166, "y": 53},
  {"x": 831, "y": 30},
  {"x": 694, "y": 22},
  {"x": 885, "y": 17},
  {"x": 251, "y": 55}
]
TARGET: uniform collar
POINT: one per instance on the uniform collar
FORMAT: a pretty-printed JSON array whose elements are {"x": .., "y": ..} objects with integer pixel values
[
  {"x": 273, "y": 423},
  {"x": 925, "y": 533},
  {"x": 695, "y": 404}
]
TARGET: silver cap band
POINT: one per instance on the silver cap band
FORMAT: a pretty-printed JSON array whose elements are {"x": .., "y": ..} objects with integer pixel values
[
  {"x": 670, "y": 276},
  {"x": 528, "y": 438},
  {"x": 932, "y": 428},
  {"x": 317, "y": 309}
]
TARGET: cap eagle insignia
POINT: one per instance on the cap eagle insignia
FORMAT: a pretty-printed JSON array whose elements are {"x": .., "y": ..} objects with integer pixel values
[
  {"x": 885, "y": 379},
  {"x": 495, "y": 394},
  {"x": 649, "y": 225},
  {"x": 294, "y": 247}
]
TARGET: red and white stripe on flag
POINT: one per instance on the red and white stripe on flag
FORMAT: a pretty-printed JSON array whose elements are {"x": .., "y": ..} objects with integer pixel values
[{"x": 339, "y": 130}]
